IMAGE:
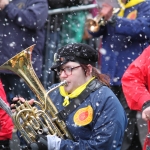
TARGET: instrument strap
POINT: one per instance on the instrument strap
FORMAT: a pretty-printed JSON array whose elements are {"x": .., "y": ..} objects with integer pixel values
[{"x": 93, "y": 86}]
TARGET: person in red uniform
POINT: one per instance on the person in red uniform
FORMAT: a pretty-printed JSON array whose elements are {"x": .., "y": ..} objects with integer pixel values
[
  {"x": 6, "y": 124},
  {"x": 136, "y": 87}
]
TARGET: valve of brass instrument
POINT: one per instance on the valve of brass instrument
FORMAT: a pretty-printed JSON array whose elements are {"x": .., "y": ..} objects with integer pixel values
[{"x": 31, "y": 121}]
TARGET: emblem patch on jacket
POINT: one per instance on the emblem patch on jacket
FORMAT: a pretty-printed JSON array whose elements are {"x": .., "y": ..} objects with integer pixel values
[
  {"x": 83, "y": 116},
  {"x": 132, "y": 15}
]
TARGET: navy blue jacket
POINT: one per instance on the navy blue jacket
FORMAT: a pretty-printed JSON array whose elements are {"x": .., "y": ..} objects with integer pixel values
[
  {"x": 105, "y": 130},
  {"x": 21, "y": 25},
  {"x": 124, "y": 41}
]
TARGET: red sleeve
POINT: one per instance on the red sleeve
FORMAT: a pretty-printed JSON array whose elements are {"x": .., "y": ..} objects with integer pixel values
[
  {"x": 6, "y": 125},
  {"x": 136, "y": 81}
]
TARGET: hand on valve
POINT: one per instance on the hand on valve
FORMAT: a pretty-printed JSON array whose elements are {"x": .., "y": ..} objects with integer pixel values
[
  {"x": 21, "y": 99},
  {"x": 41, "y": 140}
]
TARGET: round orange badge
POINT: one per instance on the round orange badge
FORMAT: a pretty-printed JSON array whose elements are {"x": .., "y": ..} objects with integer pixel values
[
  {"x": 83, "y": 116},
  {"x": 132, "y": 15}
]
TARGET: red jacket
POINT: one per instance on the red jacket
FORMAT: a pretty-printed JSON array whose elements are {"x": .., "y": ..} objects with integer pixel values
[
  {"x": 6, "y": 125},
  {"x": 136, "y": 82}
]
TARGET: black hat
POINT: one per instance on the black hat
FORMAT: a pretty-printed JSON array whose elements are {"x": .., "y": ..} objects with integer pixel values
[{"x": 77, "y": 52}]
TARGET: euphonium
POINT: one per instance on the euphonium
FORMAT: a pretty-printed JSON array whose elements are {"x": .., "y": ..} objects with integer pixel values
[{"x": 29, "y": 120}]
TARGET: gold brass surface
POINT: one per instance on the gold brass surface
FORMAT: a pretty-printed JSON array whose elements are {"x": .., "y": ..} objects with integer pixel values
[
  {"x": 94, "y": 24},
  {"x": 32, "y": 120}
]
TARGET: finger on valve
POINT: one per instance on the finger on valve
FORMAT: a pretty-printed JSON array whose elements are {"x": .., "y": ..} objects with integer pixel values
[{"x": 17, "y": 100}]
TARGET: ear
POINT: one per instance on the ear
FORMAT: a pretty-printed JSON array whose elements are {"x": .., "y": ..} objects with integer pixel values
[{"x": 89, "y": 72}]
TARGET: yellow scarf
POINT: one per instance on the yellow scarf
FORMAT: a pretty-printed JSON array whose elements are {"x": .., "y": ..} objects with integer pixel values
[
  {"x": 129, "y": 4},
  {"x": 74, "y": 94}
]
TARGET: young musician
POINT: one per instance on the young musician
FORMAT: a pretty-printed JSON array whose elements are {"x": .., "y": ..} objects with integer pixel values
[{"x": 97, "y": 121}]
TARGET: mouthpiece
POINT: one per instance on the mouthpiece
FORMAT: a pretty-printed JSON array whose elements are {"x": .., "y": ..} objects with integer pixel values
[{"x": 63, "y": 83}]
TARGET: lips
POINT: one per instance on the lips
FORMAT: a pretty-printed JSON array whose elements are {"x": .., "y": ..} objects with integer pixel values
[{"x": 66, "y": 83}]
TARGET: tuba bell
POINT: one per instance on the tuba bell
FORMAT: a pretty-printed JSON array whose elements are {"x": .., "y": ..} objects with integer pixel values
[{"x": 42, "y": 117}]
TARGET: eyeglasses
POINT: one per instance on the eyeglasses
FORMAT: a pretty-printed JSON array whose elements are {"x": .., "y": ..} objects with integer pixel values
[{"x": 67, "y": 70}]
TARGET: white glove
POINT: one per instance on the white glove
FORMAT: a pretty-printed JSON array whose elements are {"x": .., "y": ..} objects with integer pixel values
[{"x": 53, "y": 142}]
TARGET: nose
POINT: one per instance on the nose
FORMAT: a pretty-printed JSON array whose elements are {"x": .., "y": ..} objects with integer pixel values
[{"x": 63, "y": 74}]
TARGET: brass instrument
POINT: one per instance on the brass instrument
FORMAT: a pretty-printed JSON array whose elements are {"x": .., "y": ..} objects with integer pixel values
[
  {"x": 29, "y": 120},
  {"x": 93, "y": 24}
]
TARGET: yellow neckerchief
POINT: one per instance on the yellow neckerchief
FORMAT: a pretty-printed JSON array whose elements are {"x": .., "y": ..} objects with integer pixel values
[
  {"x": 129, "y": 4},
  {"x": 74, "y": 94}
]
